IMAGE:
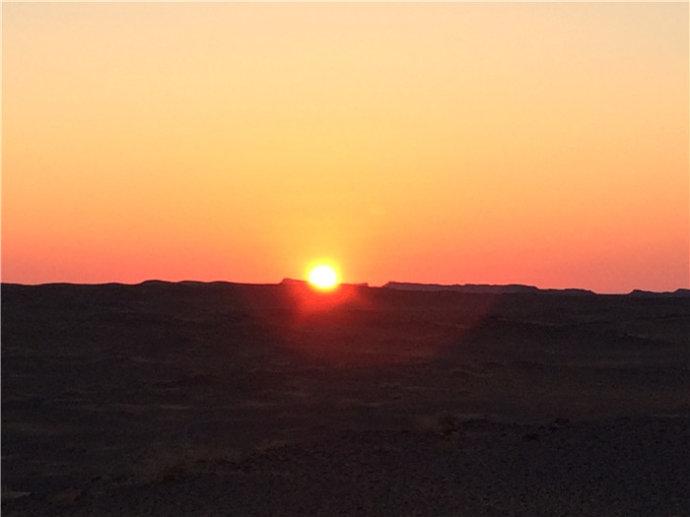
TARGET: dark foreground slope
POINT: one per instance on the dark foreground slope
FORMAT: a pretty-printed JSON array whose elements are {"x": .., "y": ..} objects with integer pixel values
[{"x": 231, "y": 399}]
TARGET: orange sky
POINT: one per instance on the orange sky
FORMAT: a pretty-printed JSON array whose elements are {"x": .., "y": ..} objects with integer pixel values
[{"x": 535, "y": 143}]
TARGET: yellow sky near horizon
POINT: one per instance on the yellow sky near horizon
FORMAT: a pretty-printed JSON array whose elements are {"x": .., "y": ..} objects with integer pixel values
[{"x": 544, "y": 144}]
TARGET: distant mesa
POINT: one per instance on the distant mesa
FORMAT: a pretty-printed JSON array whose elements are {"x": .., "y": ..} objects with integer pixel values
[
  {"x": 162, "y": 285},
  {"x": 678, "y": 293},
  {"x": 304, "y": 283},
  {"x": 485, "y": 288},
  {"x": 463, "y": 288},
  {"x": 293, "y": 282}
]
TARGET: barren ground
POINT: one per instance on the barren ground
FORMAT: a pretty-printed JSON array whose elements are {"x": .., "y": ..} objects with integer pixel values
[{"x": 234, "y": 399}]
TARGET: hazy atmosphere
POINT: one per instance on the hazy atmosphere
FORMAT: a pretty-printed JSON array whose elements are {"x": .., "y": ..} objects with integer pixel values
[
  {"x": 545, "y": 144},
  {"x": 345, "y": 259}
]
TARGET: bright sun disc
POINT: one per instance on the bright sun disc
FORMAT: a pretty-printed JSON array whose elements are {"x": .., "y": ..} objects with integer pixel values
[{"x": 323, "y": 277}]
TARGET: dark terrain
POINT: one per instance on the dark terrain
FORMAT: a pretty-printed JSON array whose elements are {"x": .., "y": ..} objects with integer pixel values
[{"x": 224, "y": 398}]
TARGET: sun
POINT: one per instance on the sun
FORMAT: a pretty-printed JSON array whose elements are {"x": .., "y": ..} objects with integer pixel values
[{"x": 323, "y": 277}]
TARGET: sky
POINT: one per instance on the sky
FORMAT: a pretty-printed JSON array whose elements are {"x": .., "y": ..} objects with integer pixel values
[{"x": 535, "y": 143}]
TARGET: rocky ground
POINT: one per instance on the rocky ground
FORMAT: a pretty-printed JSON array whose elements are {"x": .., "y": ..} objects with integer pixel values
[{"x": 263, "y": 400}]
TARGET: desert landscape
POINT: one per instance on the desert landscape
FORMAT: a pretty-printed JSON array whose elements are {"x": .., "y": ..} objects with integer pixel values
[
  {"x": 345, "y": 258},
  {"x": 219, "y": 398}
]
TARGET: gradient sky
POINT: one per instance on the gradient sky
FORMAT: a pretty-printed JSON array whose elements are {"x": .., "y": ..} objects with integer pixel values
[{"x": 535, "y": 143}]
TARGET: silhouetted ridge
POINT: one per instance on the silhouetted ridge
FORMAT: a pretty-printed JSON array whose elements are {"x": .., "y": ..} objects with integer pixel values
[
  {"x": 678, "y": 293},
  {"x": 294, "y": 281},
  {"x": 484, "y": 288}
]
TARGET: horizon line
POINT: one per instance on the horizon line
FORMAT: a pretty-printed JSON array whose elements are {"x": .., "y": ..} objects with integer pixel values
[{"x": 351, "y": 284}]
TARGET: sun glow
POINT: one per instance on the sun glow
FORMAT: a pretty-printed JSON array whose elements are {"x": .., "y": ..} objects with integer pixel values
[{"x": 323, "y": 277}]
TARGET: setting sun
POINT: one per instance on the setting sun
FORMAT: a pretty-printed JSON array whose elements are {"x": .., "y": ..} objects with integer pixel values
[{"x": 323, "y": 277}]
